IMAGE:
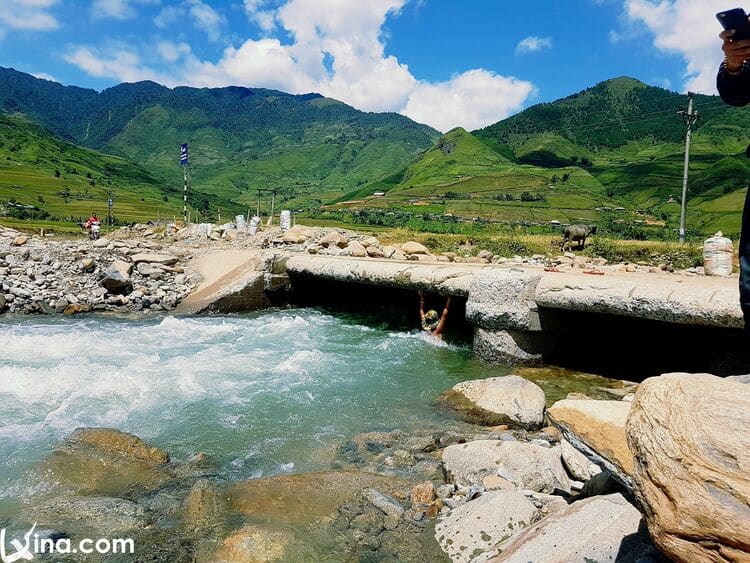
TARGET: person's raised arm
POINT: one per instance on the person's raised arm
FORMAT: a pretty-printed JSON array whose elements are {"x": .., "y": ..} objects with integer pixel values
[
  {"x": 733, "y": 80},
  {"x": 443, "y": 318},
  {"x": 421, "y": 306}
]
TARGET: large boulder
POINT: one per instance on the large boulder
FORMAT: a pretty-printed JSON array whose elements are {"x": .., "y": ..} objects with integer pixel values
[
  {"x": 483, "y": 523},
  {"x": 597, "y": 428},
  {"x": 689, "y": 438},
  {"x": 603, "y": 528},
  {"x": 334, "y": 238},
  {"x": 509, "y": 347},
  {"x": 116, "y": 278},
  {"x": 411, "y": 247},
  {"x": 526, "y": 466},
  {"x": 498, "y": 400},
  {"x": 106, "y": 516},
  {"x": 356, "y": 249}
]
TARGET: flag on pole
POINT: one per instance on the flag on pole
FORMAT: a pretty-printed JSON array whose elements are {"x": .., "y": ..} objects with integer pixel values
[{"x": 184, "y": 154}]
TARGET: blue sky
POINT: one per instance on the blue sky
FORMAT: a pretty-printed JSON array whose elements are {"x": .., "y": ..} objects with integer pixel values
[{"x": 441, "y": 62}]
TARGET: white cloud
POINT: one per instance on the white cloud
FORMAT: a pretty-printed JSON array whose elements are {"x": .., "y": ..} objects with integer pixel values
[
  {"x": 32, "y": 15},
  {"x": 533, "y": 44},
  {"x": 687, "y": 28},
  {"x": 45, "y": 76},
  {"x": 206, "y": 18},
  {"x": 168, "y": 15},
  {"x": 471, "y": 100},
  {"x": 338, "y": 50},
  {"x": 265, "y": 18},
  {"x": 120, "y": 63},
  {"x": 118, "y": 9}
]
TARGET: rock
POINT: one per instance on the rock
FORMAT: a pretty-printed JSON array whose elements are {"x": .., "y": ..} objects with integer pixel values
[
  {"x": 254, "y": 544},
  {"x": 388, "y": 505},
  {"x": 294, "y": 237},
  {"x": 577, "y": 464},
  {"x": 204, "y": 507},
  {"x": 76, "y": 308},
  {"x": 509, "y": 347},
  {"x": 499, "y": 400},
  {"x": 20, "y": 240},
  {"x": 739, "y": 379},
  {"x": 412, "y": 247},
  {"x": 422, "y": 494},
  {"x": 101, "y": 243},
  {"x": 356, "y": 249},
  {"x": 605, "y": 528},
  {"x": 375, "y": 252},
  {"x": 388, "y": 251},
  {"x": 597, "y": 428},
  {"x": 481, "y": 524},
  {"x": 3, "y": 302},
  {"x": 525, "y": 465},
  {"x": 334, "y": 238},
  {"x": 398, "y": 255},
  {"x": 88, "y": 265},
  {"x": 688, "y": 434},
  {"x": 164, "y": 259},
  {"x": 106, "y": 516},
  {"x": 112, "y": 441}
]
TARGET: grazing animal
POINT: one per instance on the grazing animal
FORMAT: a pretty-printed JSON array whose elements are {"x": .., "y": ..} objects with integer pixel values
[{"x": 577, "y": 234}]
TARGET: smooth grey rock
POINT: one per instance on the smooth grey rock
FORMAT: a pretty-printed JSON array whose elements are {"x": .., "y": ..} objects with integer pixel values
[
  {"x": 605, "y": 528},
  {"x": 105, "y": 515},
  {"x": 510, "y": 348},
  {"x": 525, "y": 465},
  {"x": 386, "y": 504},
  {"x": 481, "y": 524},
  {"x": 508, "y": 399},
  {"x": 577, "y": 464},
  {"x": 165, "y": 259}
]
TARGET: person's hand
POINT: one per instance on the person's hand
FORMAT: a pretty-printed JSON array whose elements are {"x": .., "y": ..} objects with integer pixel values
[{"x": 736, "y": 52}]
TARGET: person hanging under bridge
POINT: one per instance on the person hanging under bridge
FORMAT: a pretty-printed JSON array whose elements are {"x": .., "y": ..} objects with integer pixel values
[{"x": 431, "y": 322}]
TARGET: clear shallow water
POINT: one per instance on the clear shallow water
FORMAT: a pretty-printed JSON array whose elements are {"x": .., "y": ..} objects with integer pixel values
[{"x": 264, "y": 394}]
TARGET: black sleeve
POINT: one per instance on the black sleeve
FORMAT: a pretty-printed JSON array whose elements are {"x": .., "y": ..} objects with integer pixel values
[{"x": 734, "y": 90}]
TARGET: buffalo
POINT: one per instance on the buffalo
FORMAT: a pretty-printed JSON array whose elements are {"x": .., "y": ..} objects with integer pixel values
[{"x": 577, "y": 234}]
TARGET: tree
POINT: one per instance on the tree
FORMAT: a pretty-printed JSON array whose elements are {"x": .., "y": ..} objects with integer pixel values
[{"x": 57, "y": 173}]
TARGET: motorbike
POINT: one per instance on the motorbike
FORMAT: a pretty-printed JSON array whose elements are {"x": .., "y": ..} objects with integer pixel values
[{"x": 94, "y": 229}]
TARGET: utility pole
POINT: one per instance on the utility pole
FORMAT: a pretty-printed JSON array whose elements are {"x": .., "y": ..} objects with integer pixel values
[
  {"x": 109, "y": 206},
  {"x": 184, "y": 162},
  {"x": 690, "y": 118}
]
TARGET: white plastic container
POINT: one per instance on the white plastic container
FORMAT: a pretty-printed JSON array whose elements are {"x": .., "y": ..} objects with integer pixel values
[
  {"x": 240, "y": 222},
  {"x": 285, "y": 220},
  {"x": 718, "y": 254},
  {"x": 254, "y": 224}
]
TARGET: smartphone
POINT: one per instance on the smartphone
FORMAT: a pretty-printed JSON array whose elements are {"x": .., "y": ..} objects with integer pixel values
[{"x": 737, "y": 20}]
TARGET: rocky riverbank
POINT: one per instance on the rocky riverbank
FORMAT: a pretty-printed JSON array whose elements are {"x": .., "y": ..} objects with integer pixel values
[{"x": 45, "y": 276}]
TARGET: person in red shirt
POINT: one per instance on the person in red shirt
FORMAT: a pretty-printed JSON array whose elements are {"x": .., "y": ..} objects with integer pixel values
[{"x": 90, "y": 220}]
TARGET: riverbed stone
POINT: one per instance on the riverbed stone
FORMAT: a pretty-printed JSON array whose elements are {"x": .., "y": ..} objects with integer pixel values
[
  {"x": 603, "y": 528},
  {"x": 688, "y": 434},
  {"x": 112, "y": 441},
  {"x": 509, "y": 347},
  {"x": 356, "y": 249},
  {"x": 597, "y": 429},
  {"x": 482, "y": 523},
  {"x": 334, "y": 238},
  {"x": 204, "y": 507},
  {"x": 254, "y": 543},
  {"x": 498, "y": 400},
  {"x": 578, "y": 465},
  {"x": 410, "y": 248},
  {"x": 165, "y": 259},
  {"x": 106, "y": 516},
  {"x": 525, "y": 465}
]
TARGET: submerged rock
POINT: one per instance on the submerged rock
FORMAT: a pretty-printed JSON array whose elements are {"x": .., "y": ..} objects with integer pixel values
[
  {"x": 498, "y": 400},
  {"x": 106, "y": 516},
  {"x": 688, "y": 434},
  {"x": 481, "y": 524},
  {"x": 254, "y": 544}
]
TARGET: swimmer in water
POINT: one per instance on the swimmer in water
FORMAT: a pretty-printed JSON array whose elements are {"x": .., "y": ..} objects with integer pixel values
[{"x": 430, "y": 321}]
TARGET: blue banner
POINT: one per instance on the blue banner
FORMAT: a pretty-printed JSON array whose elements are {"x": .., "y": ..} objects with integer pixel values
[{"x": 184, "y": 154}]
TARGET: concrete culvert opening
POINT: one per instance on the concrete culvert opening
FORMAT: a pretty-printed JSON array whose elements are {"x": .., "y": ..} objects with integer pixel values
[{"x": 394, "y": 308}]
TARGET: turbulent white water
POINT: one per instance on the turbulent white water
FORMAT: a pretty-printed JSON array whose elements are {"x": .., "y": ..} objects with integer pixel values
[{"x": 263, "y": 394}]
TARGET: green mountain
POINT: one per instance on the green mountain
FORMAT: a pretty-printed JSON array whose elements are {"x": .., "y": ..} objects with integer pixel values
[
  {"x": 309, "y": 147},
  {"x": 612, "y": 154},
  {"x": 44, "y": 177}
]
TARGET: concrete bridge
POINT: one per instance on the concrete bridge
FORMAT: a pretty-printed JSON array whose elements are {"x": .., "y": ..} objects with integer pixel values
[{"x": 519, "y": 314}]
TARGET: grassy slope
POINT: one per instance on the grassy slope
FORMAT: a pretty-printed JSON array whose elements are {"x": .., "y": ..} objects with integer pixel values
[{"x": 30, "y": 155}]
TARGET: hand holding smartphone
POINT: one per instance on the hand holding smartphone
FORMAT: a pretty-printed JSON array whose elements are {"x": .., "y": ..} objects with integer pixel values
[{"x": 737, "y": 20}]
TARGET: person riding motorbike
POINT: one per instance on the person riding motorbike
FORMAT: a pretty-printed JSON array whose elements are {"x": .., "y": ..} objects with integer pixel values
[{"x": 92, "y": 226}]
